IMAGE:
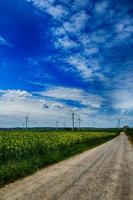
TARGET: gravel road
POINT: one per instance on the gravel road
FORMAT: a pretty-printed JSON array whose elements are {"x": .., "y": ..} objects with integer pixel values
[{"x": 103, "y": 173}]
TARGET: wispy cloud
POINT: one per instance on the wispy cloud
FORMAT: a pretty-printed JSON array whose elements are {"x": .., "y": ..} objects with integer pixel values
[
  {"x": 56, "y": 11},
  {"x": 4, "y": 42},
  {"x": 82, "y": 60},
  {"x": 122, "y": 92},
  {"x": 70, "y": 35},
  {"x": 80, "y": 64},
  {"x": 14, "y": 94},
  {"x": 77, "y": 22},
  {"x": 101, "y": 7},
  {"x": 123, "y": 100},
  {"x": 73, "y": 94},
  {"x": 70, "y": 26},
  {"x": 66, "y": 43}
]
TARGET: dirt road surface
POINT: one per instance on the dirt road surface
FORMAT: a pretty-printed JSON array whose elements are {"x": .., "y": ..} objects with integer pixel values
[{"x": 103, "y": 173}]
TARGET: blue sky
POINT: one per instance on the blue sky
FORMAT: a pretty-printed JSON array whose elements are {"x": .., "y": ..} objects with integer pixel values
[{"x": 60, "y": 56}]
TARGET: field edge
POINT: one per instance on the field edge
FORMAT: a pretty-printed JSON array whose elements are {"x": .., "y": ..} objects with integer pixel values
[{"x": 13, "y": 170}]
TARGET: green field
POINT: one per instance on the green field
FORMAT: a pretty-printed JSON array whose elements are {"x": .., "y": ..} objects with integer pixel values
[{"x": 24, "y": 152}]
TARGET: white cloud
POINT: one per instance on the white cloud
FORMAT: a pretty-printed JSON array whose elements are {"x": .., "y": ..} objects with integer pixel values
[
  {"x": 73, "y": 94},
  {"x": 122, "y": 36},
  {"x": 68, "y": 32},
  {"x": 59, "y": 31},
  {"x": 42, "y": 3},
  {"x": 92, "y": 50},
  {"x": 78, "y": 4},
  {"x": 4, "y": 42},
  {"x": 76, "y": 23},
  {"x": 15, "y": 104},
  {"x": 80, "y": 64},
  {"x": 79, "y": 20},
  {"x": 129, "y": 29},
  {"x": 14, "y": 94},
  {"x": 56, "y": 11},
  {"x": 121, "y": 94},
  {"x": 100, "y": 7},
  {"x": 69, "y": 35},
  {"x": 69, "y": 27},
  {"x": 101, "y": 77},
  {"x": 65, "y": 42},
  {"x": 64, "y": 93},
  {"x": 100, "y": 36},
  {"x": 85, "y": 40},
  {"x": 123, "y": 99}
]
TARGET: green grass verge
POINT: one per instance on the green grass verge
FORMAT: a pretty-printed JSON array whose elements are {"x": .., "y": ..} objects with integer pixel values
[
  {"x": 129, "y": 133},
  {"x": 14, "y": 168}
]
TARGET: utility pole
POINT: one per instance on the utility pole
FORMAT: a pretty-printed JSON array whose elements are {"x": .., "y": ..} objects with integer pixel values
[{"x": 73, "y": 120}]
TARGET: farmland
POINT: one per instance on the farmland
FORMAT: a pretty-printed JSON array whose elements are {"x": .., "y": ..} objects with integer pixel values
[{"x": 24, "y": 152}]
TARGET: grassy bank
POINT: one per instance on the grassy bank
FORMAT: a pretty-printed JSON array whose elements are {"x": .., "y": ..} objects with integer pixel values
[
  {"x": 129, "y": 132},
  {"x": 24, "y": 152}
]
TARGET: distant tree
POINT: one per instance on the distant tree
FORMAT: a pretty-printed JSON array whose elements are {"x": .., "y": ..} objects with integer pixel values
[{"x": 126, "y": 129}]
